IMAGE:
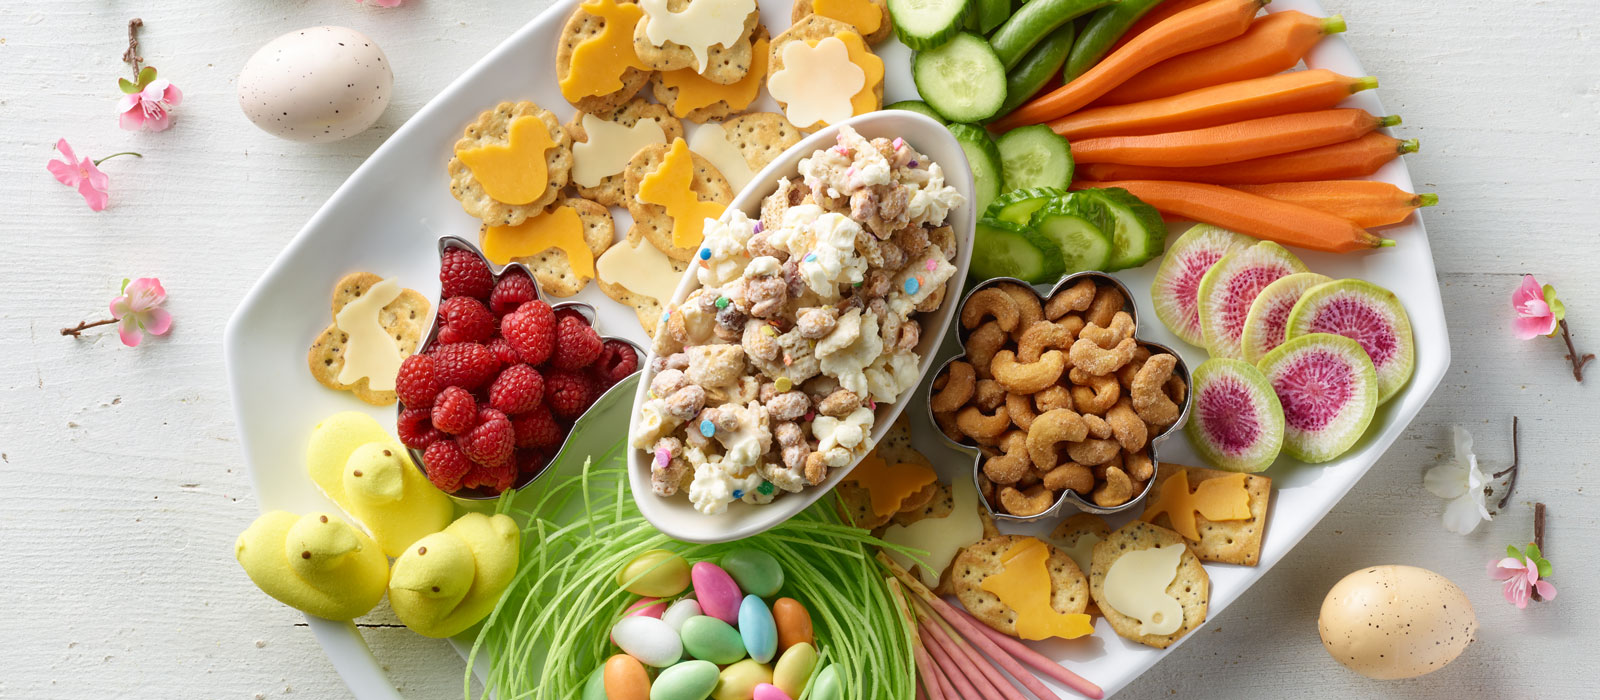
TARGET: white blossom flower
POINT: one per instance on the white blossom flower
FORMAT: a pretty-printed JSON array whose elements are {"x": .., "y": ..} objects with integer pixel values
[{"x": 1461, "y": 483}]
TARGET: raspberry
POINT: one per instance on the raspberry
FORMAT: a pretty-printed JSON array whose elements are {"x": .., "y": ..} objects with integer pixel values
[
  {"x": 617, "y": 360},
  {"x": 569, "y": 312},
  {"x": 531, "y": 461},
  {"x": 446, "y": 465},
  {"x": 531, "y": 329},
  {"x": 416, "y": 384},
  {"x": 463, "y": 273},
  {"x": 537, "y": 428},
  {"x": 416, "y": 430},
  {"x": 514, "y": 289},
  {"x": 465, "y": 320},
  {"x": 455, "y": 411},
  {"x": 502, "y": 350},
  {"x": 517, "y": 389},
  {"x": 567, "y": 393},
  {"x": 577, "y": 344},
  {"x": 491, "y": 442},
  {"x": 467, "y": 365},
  {"x": 495, "y": 478}
]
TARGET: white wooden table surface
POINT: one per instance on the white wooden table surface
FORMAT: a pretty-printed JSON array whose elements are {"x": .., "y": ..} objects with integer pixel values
[{"x": 121, "y": 489}]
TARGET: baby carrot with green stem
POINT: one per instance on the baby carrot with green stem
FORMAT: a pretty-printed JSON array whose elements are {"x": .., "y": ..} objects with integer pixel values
[
  {"x": 1365, "y": 202},
  {"x": 1207, "y": 25},
  {"x": 1358, "y": 158},
  {"x": 1229, "y": 143},
  {"x": 1250, "y": 214},
  {"x": 1273, "y": 44},
  {"x": 1285, "y": 93}
]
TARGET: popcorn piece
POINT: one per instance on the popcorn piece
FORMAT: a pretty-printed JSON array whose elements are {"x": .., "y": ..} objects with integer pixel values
[
  {"x": 744, "y": 433},
  {"x": 840, "y": 439},
  {"x": 715, "y": 366},
  {"x": 918, "y": 279},
  {"x": 891, "y": 375},
  {"x": 716, "y": 483},
  {"x": 847, "y": 360},
  {"x": 722, "y": 256},
  {"x": 653, "y": 422}
]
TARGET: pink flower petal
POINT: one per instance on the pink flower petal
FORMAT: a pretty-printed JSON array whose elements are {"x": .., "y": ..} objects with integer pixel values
[
  {"x": 157, "y": 321},
  {"x": 172, "y": 95},
  {"x": 1530, "y": 572},
  {"x": 146, "y": 293},
  {"x": 66, "y": 151},
  {"x": 1547, "y": 590},
  {"x": 65, "y": 173},
  {"x": 97, "y": 178},
  {"x": 131, "y": 120},
  {"x": 1505, "y": 568},
  {"x": 1529, "y": 290},
  {"x": 120, "y": 308},
  {"x": 128, "y": 331},
  {"x": 97, "y": 199},
  {"x": 128, "y": 102},
  {"x": 1528, "y": 327}
]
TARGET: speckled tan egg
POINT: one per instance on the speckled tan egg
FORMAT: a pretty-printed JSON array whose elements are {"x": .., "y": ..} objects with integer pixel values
[
  {"x": 316, "y": 84},
  {"x": 1390, "y": 622}
]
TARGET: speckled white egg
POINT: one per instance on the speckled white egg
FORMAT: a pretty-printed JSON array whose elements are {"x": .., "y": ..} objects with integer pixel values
[
  {"x": 1391, "y": 622},
  {"x": 316, "y": 84}
]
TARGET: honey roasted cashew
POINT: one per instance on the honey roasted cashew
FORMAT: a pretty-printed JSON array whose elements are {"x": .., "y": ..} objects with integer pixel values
[
  {"x": 960, "y": 381},
  {"x": 1117, "y": 489},
  {"x": 1099, "y": 429},
  {"x": 1052, "y": 398},
  {"x": 947, "y": 425},
  {"x": 1037, "y": 499},
  {"x": 1070, "y": 477},
  {"x": 1049, "y": 429},
  {"x": 1108, "y": 336},
  {"x": 1098, "y": 361},
  {"x": 1138, "y": 465},
  {"x": 1127, "y": 426},
  {"x": 1125, "y": 373},
  {"x": 989, "y": 395},
  {"x": 982, "y": 346},
  {"x": 1078, "y": 297},
  {"x": 1175, "y": 388},
  {"x": 1108, "y": 300},
  {"x": 974, "y": 424},
  {"x": 1021, "y": 408},
  {"x": 1009, "y": 468},
  {"x": 1030, "y": 377},
  {"x": 1030, "y": 309},
  {"x": 991, "y": 302},
  {"x": 1100, "y": 469},
  {"x": 1149, "y": 400},
  {"x": 1040, "y": 336},
  {"x": 1073, "y": 323},
  {"x": 1093, "y": 451},
  {"x": 1097, "y": 396}
]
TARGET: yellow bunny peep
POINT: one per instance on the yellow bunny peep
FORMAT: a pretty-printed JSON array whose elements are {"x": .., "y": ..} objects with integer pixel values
[
  {"x": 366, "y": 473},
  {"x": 314, "y": 563},
  {"x": 448, "y": 581}
]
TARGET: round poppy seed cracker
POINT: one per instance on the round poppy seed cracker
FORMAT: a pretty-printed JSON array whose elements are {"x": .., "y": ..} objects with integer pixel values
[
  {"x": 1191, "y": 586},
  {"x": 1069, "y": 590},
  {"x": 727, "y": 64},
  {"x": 580, "y": 27},
  {"x": 610, "y": 190},
  {"x": 652, "y": 219},
  {"x": 811, "y": 28},
  {"x": 405, "y": 319},
  {"x": 646, "y": 308},
  {"x": 493, "y": 128}
]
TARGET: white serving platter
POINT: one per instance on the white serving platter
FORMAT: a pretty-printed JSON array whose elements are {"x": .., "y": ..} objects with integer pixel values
[{"x": 387, "y": 217}]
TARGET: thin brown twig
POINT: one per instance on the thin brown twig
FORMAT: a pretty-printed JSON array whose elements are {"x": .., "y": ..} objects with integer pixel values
[
  {"x": 131, "y": 56},
  {"x": 1538, "y": 539},
  {"x": 1516, "y": 460},
  {"x": 86, "y": 325},
  {"x": 1578, "y": 361}
]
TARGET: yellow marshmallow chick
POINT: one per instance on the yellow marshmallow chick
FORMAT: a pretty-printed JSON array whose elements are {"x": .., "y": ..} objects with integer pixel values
[
  {"x": 315, "y": 563},
  {"x": 448, "y": 581},
  {"x": 391, "y": 498},
  {"x": 332, "y": 442}
]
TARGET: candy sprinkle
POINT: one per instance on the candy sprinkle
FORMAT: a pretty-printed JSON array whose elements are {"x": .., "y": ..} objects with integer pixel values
[
  {"x": 759, "y": 226},
  {"x": 912, "y": 164},
  {"x": 765, "y": 488},
  {"x": 707, "y": 428},
  {"x": 722, "y": 302},
  {"x": 912, "y": 284},
  {"x": 931, "y": 265},
  {"x": 810, "y": 415},
  {"x": 769, "y": 331},
  {"x": 783, "y": 384},
  {"x": 810, "y": 257},
  {"x": 705, "y": 253},
  {"x": 899, "y": 143},
  {"x": 663, "y": 457},
  {"x": 738, "y": 494}
]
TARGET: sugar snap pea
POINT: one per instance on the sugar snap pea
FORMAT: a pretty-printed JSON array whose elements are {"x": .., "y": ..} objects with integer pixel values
[
  {"x": 1033, "y": 22},
  {"x": 1037, "y": 67},
  {"x": 1104, "y": 29}
]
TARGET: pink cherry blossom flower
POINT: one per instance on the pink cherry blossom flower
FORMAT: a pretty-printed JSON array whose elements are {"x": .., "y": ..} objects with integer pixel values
[
  {"x": 139, "y": 311},
  {"x": 82, "y": 174},
  {"x": 1521, "y": 576},
  {"x": 151, "y": 107},
  {"x": 1536, "y": 316}
]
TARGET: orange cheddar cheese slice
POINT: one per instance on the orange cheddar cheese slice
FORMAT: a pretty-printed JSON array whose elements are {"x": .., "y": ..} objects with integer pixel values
[
  {"x": 1023, "y": 585},
  {"x": 866, "y": 100},
  {"x": 515, "y": 172},
  {"x": 861, "y": 14},
  {"x": 559, "y": 228},
  {"x": 694, "y": 91},
  {"x": 599, "y": 61},
  {"x": 1222, "y": 498},
  {"x": 670, "y": 188},
  {"x": 890, "y": 485}
]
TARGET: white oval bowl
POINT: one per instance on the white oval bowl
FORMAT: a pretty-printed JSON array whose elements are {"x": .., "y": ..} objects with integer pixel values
[{"x": 674, "y": 515}]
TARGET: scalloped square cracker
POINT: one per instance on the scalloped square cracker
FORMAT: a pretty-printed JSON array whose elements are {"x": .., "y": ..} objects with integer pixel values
[
  {"x": 1191, "y": 586},
  {"x": 1226, "y": 541}
]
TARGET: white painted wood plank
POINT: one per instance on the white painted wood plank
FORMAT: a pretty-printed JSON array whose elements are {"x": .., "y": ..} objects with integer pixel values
[{"x": 120, "y": 490}]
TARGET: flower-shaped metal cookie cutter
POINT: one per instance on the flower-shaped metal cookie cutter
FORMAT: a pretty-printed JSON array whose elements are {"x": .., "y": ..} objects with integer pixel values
[
  {"x": 582, "y": 309},
  {"x": 1081, "y": 502}
]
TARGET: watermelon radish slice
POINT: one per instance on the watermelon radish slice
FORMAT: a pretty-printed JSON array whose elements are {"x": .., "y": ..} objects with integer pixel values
[
  {"x": 1176, "y": 291},
  {"x": 1231, "y": 286},
  {"x": 1265, "y": 326},
  {"x": 1329, "y": 391},
  {"x": 1367, "y": 314},
  {"x": 1235, "y": 422}
]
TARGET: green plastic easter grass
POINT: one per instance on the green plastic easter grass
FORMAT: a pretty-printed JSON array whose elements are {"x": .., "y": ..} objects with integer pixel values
[{"x": 550, "y": 630}]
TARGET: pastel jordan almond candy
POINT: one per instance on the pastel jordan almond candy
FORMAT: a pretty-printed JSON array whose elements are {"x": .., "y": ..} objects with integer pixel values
[
  {"x": 691, "y": 96},
  {"x": 626, "y": 679},
  {"x": 739, "y": 681},
  {"x": 794, "y": 668},
  {"x": 595, "y": 687},
  {"x": 680, "y": 613},
  {"x": 391, "y": 497},
  {"x": 649, "y": 640},
  {"x": 596, "y": 65},
  {"x": 510, "y": 163},
  {"x": 828, "y": 685},
  {"x": 448, "y": 581},
  {"x": 670, "y": 194},
  {"x": 767, "y": 691},
  {"x": 756, "y": 572},
  {"x": 719, "y": 596},
  {"x": 645, "y": 607},
  {"x": 659, "y": 573},
  {"x": 314, "y": 563},
  {"x": 758, "y": 629},
  {"x": 690, "y": 680},
  {"x": 711, "y": 37},
  {"x": 793, "y": 622},
  {"x": 706, "y": 637}
]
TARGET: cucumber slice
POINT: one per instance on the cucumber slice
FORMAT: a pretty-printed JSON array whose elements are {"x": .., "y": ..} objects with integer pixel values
[
  {"x": 1077, "y": 225},
  {"x": 1003, "y": 249},
  {"x": 927, "y": 24},
  {"x": 1138, "y": 234},
  {"x": 962, "y": 79},
  {"x": 1018, "y": 206},
  {"x": 919, "y": 107},
  {"x": 1034, "y": 156},
  {"x": 984, "y": 160}
]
